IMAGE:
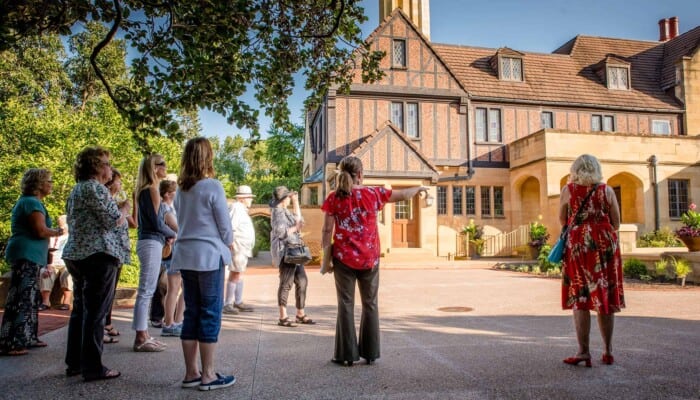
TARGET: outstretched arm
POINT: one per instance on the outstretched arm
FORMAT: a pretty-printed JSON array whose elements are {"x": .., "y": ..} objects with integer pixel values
[{"x": 405, "y": 194}]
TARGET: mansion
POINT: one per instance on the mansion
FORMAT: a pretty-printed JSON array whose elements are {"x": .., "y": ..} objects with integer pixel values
[{"x": 493, "y": 132}]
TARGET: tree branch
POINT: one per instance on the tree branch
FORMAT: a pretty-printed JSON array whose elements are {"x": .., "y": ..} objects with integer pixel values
[{"x": 100, "y": 46}]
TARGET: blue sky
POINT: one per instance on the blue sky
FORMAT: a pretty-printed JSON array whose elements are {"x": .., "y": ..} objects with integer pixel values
[{"x": 528, "y": 25}]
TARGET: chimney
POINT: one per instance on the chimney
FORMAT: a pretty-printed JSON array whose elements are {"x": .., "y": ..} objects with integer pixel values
[
  {"x": 663, "y": 30},
  {"x": 672, "y": 27}
]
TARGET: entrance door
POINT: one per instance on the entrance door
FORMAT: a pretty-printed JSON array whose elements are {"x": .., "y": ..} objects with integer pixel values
[{"x": 404, "y": 232}]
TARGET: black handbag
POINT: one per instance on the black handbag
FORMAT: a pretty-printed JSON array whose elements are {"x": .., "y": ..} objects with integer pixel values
[{"x": 297, "y": 253}]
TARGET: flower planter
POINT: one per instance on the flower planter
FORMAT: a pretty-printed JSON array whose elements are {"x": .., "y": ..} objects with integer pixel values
[
  {"x": 534, "y": 252},
  {"x": 691, "y": 242}
]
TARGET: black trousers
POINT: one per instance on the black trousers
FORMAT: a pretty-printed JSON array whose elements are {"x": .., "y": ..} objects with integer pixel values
[
  {"x": 347, "y": 347},
  {"x": 93, "y": 294},
  {"x": 296, "y": 274}
]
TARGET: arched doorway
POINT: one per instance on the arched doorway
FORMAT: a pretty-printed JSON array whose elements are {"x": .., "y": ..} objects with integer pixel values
[
  {"x": 530, "y": 200},
  {"x": 629, "y": 191}
]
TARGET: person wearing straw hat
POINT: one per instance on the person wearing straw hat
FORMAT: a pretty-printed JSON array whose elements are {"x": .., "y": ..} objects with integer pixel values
[{"x": 243, "y": 242}]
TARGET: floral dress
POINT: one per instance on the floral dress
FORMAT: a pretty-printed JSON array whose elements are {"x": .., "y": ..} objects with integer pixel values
[
  {"x": 592, "y": 266},
  {"x": 356, "y": 240}
]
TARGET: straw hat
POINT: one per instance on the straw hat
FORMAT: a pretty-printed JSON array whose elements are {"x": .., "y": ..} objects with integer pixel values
[{"x": 244, "y": 191}]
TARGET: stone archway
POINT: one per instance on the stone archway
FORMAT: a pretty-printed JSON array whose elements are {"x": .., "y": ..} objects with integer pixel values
[
  {"x": 530, "y": 201},
  {"x": 629, "y": 191},
  {"x": 260, "y": 213}
]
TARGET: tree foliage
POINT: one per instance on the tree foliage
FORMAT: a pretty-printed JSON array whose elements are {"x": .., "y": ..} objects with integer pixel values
[{"x": 208, "y": 55}]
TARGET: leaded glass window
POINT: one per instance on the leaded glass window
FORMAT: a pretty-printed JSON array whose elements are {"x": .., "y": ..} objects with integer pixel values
[
  {"x": 397, "y": 115},
  {"x": 608, "y": 123},
  {"x": 596, "y": 123},
  {"x": 494, "y": 125},
  {"x": 480, "y": 124},
  {"x": 618, "y": 78},
  {"x": 412, "y": 120},
  {"x": 485, "y": 200},
  {"x": 399, "y": 53},
  {"x": 456, "y": 200},
  {"x": 498, "y": 201},
  {"x": 677, "y": 197},
  {"x": 511, "y": 69},
  {"x": 442, "y": 200},
  {"x": 470, "y": 200}
]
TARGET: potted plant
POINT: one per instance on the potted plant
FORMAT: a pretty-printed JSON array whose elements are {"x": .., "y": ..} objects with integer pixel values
[
  {"x": 474, "y": 234},
  {"x": 689, "y": 233},
  {"x": 538, "y": 237}
]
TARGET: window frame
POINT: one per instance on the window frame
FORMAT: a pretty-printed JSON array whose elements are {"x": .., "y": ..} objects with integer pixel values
[
  {"x": 551, "y": 119},
  {"x": 678, "y": 202},
  {"x": 613, "y": 84},
  {"x": 403, "y": 126},
  {"x": 394, "y": 65},
  {"x": 470, "y": 200},
  {"x": 601, "y": 124},
  {"x": 487, "y": 127},
  {"x": 313, "y": 196},
  {"x": 502, "y": 69},
  {"x": 442, "y": 200},
  {"x": 666, "y": 122},
  {"x": 485, "y": 195},
  {"x": 457, "y": 204},
  {"x": 498, "y": 204}
]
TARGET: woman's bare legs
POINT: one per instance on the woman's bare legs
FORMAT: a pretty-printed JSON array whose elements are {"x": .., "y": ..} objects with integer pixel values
[
  {"x": 606, "y": 323},
  {"x": 582, "y": 323}
]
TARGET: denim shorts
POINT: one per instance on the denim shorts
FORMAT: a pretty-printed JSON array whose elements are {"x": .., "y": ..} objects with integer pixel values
[
  {"x": 204, "y": 300},
  {"x": 167, "y": 265}
]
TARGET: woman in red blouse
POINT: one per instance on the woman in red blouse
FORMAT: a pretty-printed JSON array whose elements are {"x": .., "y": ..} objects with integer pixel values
[{"x": 351, "y": 216}]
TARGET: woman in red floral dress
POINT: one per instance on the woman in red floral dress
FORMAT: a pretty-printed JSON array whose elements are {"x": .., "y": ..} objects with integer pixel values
[
  {"x": 592, "y": 267},
  {"x": 351, "y": 216}
]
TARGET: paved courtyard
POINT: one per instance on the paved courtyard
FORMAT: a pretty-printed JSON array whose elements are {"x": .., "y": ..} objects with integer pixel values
[{"x": 460, "y": 331}]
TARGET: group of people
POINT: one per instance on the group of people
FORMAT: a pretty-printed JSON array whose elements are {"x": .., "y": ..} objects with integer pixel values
[{"x": 205, "y": 236}]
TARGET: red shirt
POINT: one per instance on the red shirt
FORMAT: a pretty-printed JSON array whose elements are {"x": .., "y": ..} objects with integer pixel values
[{"x": 356, "y": 240}]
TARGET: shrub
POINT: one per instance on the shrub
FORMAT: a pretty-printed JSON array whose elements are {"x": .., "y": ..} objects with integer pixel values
[
  {"x": 474, "y": 231},
  {"x": 682, "y": 268},
  {"x": 542, "y": 261},
  {"x": 661, "y": 270},
  {"x": 634, "y": 268},
  {"x": 664, "y": 237},
  {"x": 538, "y": 234}
]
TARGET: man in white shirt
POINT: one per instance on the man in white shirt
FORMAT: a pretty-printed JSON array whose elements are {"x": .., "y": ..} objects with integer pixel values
[{"x": 243, "y": 242}]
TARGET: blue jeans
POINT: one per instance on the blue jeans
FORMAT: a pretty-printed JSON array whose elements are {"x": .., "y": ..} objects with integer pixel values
[{"x": 204, "y": 299}]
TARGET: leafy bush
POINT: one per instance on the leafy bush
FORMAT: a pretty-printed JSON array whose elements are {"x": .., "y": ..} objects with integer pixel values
[
  {"x": 538, "y": 234},
  {"x": 664, "y": 237},
  {"x": 691, "y": 222},
  {"x": 544, "y": 264},
  {"x": 474, "y": 231},
  {"x": 634, "y": 268},
  {"x": 661, "y": 270},
  {"x": 682, "y": 268},
  {"x": 262, "y": 234}
]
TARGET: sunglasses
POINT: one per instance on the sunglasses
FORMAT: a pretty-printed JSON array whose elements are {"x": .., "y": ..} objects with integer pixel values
[{"x": 161, "y": 164}]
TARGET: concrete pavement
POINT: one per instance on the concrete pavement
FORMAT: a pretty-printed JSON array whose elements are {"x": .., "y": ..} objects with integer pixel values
[{"x": 458, "y": 331}]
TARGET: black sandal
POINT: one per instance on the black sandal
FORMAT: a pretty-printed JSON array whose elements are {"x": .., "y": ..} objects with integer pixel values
[
  {"x": 305, "y": 320},
  {"x": 286, "y": 322}
]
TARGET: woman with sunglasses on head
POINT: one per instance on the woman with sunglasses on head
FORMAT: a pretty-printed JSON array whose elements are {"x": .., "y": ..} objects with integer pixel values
[{"x": 152, "y": 235}]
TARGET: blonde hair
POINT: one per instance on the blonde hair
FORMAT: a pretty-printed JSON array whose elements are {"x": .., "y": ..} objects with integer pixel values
[
  {"x": 349, "y": 167},
  {"x": 197, "y": 163},
  {"x": 147, "y": 172},
  {"x": 586, "y": 170}
]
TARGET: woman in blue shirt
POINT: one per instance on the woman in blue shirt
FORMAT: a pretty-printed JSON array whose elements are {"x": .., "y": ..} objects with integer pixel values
[
  {"x": 27, "y": 252},
  {"x": 203, "y": 248}
]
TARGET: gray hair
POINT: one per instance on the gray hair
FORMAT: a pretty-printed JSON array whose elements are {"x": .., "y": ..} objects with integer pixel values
[{"x": 586, "y": 170}]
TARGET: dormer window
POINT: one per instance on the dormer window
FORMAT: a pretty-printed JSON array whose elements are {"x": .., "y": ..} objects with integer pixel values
[
  {"x": 508, "y": 63},
  {"x": 618, "y": 78},
  {"x": 511, "y": 69}
]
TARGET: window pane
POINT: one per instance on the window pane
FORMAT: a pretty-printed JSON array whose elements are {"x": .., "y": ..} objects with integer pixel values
[
  {"x": 608, "y": 123},
  {"x": 498, "y": 201},
  {"x": 397, "y": 115},
  {"x": 399, "y": 53},
  {"x": 505, "y": 68},
  {"x": 517, "y": 69},
  {"x": 402, "y": 209},
  {"x": 494, "y": 125},
  {"x": 547, "y": 119},
  {"x": 412, "y": 120},
  {"x": 441, "y": 200},
  {"x": 480, "y": 124},
  {"x": 596, "y": 123},
  {"x": 677, "y": 197},
  {"x": 456, "y": 200},
  {"x": 486, "y": 200},
  {"x": 313, "y": 196},
  {"x": 470, "y": 200},
  {"x": 661, "y": 127}
]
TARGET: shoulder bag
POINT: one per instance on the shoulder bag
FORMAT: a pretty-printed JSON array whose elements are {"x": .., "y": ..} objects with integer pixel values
[
  {"x": 297, "y": 253},
  {"x": 557, "y": 253}
]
